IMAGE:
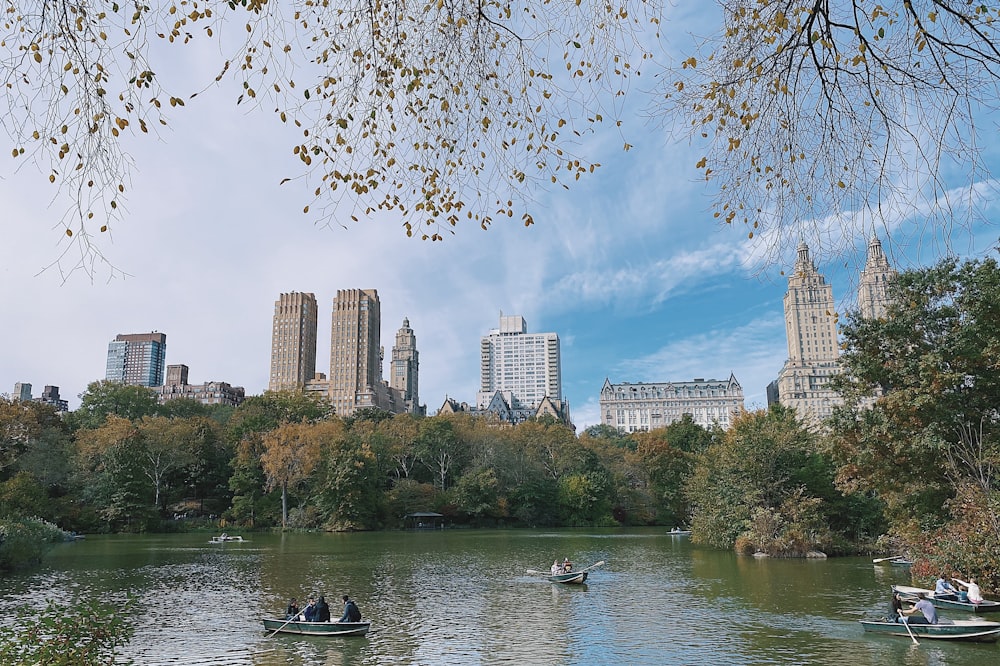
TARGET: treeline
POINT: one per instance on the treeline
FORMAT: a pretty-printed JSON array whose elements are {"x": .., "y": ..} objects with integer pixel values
[{"x": 907, "y": 465}]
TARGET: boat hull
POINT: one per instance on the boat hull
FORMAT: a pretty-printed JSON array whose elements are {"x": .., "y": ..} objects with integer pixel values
[
  {"x": 910, "y": 594},
  {"x": 317, "y": 628},
  {"x": 571, "y": 578},
  {"x": 977, "y": 631}
]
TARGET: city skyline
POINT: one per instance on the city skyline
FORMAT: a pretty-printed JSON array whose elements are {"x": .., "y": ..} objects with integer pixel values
[{"x": 628, "y": 267}]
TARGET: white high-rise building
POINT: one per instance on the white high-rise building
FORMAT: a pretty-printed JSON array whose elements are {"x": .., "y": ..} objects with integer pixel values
[{"x": 525, "y": 366}]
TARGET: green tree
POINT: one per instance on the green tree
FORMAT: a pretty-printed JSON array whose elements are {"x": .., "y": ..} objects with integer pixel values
[
  {"x": 350, "y": 485},
  {"x": 439, "y": 450},
  {"x": 110, "y": 464},
  {"x": 752, "y": 489},
  {"x": 86, "y": 632},
  {"x": 106, "y": 398},
  {"x": 920, "y": 426}
]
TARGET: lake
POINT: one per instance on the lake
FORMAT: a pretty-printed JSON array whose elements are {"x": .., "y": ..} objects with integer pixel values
[{"x": 464, "y": 597}]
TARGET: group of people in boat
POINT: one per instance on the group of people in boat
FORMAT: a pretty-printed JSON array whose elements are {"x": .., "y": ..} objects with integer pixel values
[
  {"x": 966, "y": 591},
  {"x": 565, "y": 567},
  {"x": 317, "y": 610}
]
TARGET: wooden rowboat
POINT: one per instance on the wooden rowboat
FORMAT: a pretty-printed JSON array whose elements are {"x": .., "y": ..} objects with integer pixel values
[
  {"x": 570, "y": 577},
  {"x": 225, "y": 538},
  {"x": 910, "y": 594},
  {"x": 316, "y": 628},
  {"x": 979, "y": 631}
]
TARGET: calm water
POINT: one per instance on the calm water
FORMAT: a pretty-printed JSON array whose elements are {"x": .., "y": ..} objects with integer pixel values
[{"x": 463, "y": 597}]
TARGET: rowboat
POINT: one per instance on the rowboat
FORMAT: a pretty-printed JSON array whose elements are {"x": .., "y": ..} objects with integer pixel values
[
  {"x": 225, "y": 538},
  {"x": 979, "y": 631},
  {"x": 678, "y": 532},
  {"x": 910, "y": 594},
  {"x": 277, "y": 625},
  {"x": 569, "y": 577}
]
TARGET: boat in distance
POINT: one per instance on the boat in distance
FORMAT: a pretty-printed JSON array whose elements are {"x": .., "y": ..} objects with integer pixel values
[
  {"x": 225, "y": 538},
  {"x": 907, "y": 593},
  {"x": 278, "y": 625},
  {"x": 572, "y": 577},
  {"x": 679, "y": 532},
  {"x": 978, "y": 631}
]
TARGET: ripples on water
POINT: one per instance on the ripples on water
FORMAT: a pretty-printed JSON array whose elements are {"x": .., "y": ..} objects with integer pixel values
[{"x": 464, "y": 597}]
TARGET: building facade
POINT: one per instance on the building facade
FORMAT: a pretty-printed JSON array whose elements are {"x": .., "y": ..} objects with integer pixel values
[
  {"x": 642, "y": 407},
  {"x": 293, "y": 342},
  {"x": 137, "y": 359},
  {"x": 209, "y": 393},
  {"x": 526, "y": 366},
  {"x": 873, "y": 287},
  {"x": 813, "y": 348},
  {"x": 355, "y": 350},
  {"x": 405, "y": 368}
]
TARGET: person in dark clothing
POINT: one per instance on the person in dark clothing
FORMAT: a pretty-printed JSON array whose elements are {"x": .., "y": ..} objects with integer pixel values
[
  {"x": 322, "y": 610},
  {"x": 293, "y": 609},
  {"x": 896, "y": 613},
  {"x": 310, "y": 610},
  {"x": 351, "y": 611}
]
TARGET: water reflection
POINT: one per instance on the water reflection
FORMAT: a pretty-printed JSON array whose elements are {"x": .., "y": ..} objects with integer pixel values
[{"x": 464, "y": 597}]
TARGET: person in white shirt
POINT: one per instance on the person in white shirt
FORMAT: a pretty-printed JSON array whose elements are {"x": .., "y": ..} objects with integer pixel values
[{"x": 972, "y": 590}]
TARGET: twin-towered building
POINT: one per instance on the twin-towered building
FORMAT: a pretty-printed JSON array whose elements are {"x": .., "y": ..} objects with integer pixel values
[
  {"x": 356, "y": 355},
  {"x": 811, "y": 332}
]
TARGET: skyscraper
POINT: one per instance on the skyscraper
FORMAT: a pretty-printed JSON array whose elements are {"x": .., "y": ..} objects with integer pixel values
[
  {"x": 293, "y": 341},
  {"x": 137, "y": 359},
  {"x": 525, "y": 365},
  {"x": 873, "y": 287},
  {"x": 405, "y": 366},
  {"x": 813, "y": 351},
  {"x": 355, "y": 351}
]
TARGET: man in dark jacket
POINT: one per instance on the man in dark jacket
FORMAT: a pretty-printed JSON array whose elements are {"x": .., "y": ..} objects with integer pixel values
[{"x": 351, "y": 611}]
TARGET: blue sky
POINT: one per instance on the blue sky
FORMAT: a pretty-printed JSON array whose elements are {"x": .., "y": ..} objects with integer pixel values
[{"x": 628, "y": 267}]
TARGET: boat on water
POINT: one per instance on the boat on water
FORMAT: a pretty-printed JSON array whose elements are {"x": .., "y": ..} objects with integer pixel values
[
  {"x": 907, "y": 593},
  {"x": 280, "y": 626},
  {"x": 225, "y": 538},
  {"x": 679, "y": 532},
  {"x": 576, "y": 577},
  {"x": 570, "y": 577},
  {"x": 979, "y": 631}
]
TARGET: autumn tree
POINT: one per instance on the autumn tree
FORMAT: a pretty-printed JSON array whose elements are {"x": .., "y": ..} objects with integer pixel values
[
  {"x": 245, "y": 429},
  {"x": 849, "y": 114},
  {"x": 290, "y": 453}
]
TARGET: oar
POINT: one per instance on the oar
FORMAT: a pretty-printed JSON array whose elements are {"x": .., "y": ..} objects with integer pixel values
[
  {"x": 286, "y": 622},
  {"x": 592, "y": 566},
  {"x": 532, "y": 572},
  {"x": 906, "y": 624},
  {"x": 886, "y": 559}
]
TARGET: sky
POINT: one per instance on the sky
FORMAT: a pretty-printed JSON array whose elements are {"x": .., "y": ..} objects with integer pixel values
[{"x": 628, "y": 267}]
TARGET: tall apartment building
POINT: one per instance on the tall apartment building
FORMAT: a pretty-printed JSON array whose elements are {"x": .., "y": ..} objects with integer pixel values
[
  {"x": 643, "y": 407},
  {"x": 873, "y": 287},
  {"x": 525, "y": 365},
  {"x": 293, "y": 341},
  {"x": 813, "y": 349},
  {"x": 355, "y": 350},
  {"x": 403, "y": 373},
  {"x": 137, "y": 359}
]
